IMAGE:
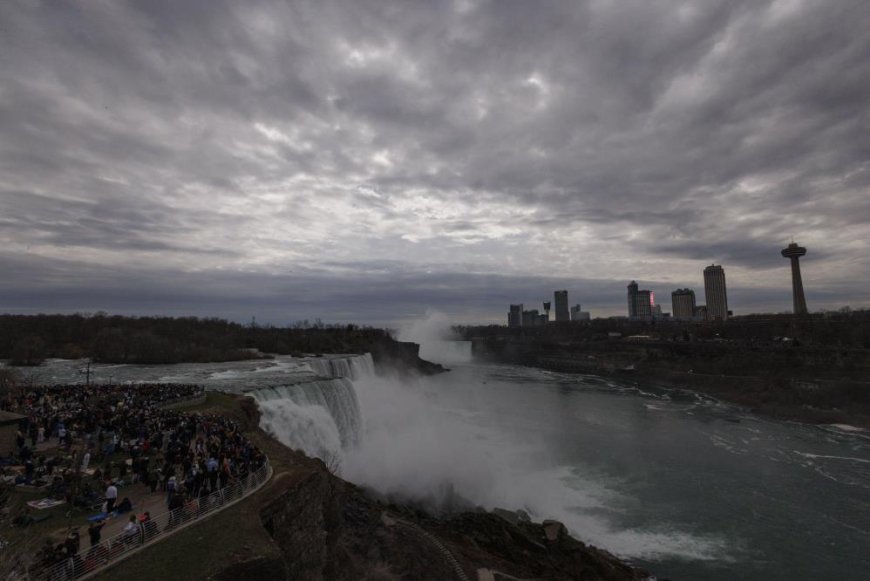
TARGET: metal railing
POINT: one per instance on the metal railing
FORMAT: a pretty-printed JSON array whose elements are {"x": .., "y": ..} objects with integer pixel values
[{"x": 112, "y": 550}]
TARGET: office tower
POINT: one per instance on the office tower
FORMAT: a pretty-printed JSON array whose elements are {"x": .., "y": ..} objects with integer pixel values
[
  {"x": 515, "y": 316},
  {"x": 715, "y": 293},
  {"x": 646, "y": 302},
  {"x": 547, "y": 311},
  {"x": 701, "y": 312},
  {"x": 683, "y": 303},
  {"x": 562, "y": 314},
  {"x": 632, "y": 299},
  {"x": 575, "y": 313},
  {"x": 794, "y": 252},
  {"x": 640, "y": 302},
  {"x": 532, "y": 318}
]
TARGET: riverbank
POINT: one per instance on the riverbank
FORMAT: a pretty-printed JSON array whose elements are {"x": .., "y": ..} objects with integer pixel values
[
  {"x": 793, "y": 384},
  {"x": 307, "y": 523}
]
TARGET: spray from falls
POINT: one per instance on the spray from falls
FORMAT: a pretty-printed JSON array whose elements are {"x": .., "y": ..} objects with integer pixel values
[{"x": 320, "y": 417}]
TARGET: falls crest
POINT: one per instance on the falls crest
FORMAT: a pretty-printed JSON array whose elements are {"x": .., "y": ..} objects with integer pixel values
[{"x": 352, "y": 367}]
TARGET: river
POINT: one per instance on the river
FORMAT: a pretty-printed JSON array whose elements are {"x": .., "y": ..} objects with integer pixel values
[{"x": 688, "y": 487}]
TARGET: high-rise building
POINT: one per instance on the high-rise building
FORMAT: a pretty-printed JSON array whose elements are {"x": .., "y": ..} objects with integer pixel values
[
  {"x": 794, "y": 252},
  {"x": 515, "y": 316},
  {"x": 632, "y": 299},
  {"x": 547, "y": 310},
  {"x": 575, "y": 313},
  {"x": 640, "y": 302},
  {"x": 533, "y": 318},
  {"x": 715, "y": 293},
  {"x": 683, "y": 303},
  {"x": 561, "y": 300},
  {"x": 646, "y": 302}
]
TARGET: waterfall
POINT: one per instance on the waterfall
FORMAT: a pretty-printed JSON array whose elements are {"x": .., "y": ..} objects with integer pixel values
[
  {"x": 352, "y": 367},
  {"x": 320, "y": 417}
]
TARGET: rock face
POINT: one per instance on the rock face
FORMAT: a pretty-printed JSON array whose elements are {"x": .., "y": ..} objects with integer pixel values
[
  {"x": 329, "y": 529},
  {"x": 402, "y": 356},
  {"x": 323, "y": 528}
]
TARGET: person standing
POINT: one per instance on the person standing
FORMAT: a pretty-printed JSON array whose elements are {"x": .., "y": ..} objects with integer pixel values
[
  {"x": 111, "y": 496},
  {"x": 94, "y": 531}
]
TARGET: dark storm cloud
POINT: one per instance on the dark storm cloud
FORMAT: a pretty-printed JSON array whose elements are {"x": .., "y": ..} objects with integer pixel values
[{"x": 413, "y": 151}]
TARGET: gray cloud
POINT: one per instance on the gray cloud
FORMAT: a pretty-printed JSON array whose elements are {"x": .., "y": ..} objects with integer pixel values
[{"x": 344, "y": 154}]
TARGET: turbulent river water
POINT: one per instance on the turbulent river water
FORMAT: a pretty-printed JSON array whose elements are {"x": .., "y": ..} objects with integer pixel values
[{"x": 683, "y": 485}]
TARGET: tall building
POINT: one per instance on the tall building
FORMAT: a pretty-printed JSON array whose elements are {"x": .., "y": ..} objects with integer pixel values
[
  {"x": 715, "y": 293},
  {"x": 683, "y": 303},
  {"x": 640, "y": 302},
  {"x": 533, "y": 318},
  {"x": 632, "y": 299},
  {"x": 515, "y": 316},
  {"x": 561, "y": 300},
  {"x": 547, "y": 310},
  {"x": 794, "y": 252}
]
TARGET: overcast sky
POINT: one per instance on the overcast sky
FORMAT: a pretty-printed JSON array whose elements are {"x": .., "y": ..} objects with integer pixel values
[{"x": 367, "y": 161}]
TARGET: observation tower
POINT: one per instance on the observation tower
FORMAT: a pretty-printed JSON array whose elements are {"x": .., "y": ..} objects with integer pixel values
[{"x": 794, "y": 252}]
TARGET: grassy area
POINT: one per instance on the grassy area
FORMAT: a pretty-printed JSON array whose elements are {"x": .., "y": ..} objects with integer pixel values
[{"x": 201, "y": 550}]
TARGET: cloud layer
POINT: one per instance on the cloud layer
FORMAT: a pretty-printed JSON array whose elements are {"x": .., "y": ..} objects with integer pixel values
[{"x": 369, "y": 160}]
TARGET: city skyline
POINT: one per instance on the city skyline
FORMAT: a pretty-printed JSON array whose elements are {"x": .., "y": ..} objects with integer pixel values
[{"x": 367, "y": 162}]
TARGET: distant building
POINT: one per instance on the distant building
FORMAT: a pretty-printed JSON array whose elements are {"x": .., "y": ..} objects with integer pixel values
[
  {"x": 715, "y": 293},
  {"x": 561, "y": 300},
  {"x": 701, "y": 312},
  {"x": 683, "y": 303},
  {"x": 640, "y": 302},
  {"x": 547, "y": 310},
  {"x": 533, "y": 318},
  {"x": 632, "y": 299},
  {"x": 515, "y": 316},
  {"x": 575, "y": 312},
  {"x": 794, "y": 252}
]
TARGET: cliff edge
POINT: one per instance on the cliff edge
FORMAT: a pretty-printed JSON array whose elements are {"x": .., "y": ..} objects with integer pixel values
[{"x": 308, "y": 524}]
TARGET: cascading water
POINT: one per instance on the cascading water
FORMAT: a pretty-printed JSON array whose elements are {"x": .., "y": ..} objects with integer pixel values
[
  {"x": 320, "y": 417},
  {"x": 354, "y": 367}
]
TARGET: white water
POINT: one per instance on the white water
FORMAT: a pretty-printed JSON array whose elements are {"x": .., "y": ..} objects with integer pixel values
[
  {"x": 436, "y": 339},
  {"x": 352, "y": 367}
]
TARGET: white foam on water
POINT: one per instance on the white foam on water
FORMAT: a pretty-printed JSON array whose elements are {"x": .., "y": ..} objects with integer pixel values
[{"x": 825, "y": 456}]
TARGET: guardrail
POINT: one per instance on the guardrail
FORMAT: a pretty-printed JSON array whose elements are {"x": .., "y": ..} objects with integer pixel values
[{"x": 105, "y": 554}]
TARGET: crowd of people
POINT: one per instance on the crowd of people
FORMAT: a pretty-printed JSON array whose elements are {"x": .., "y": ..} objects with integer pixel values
[{"x": 112, "y": 437}]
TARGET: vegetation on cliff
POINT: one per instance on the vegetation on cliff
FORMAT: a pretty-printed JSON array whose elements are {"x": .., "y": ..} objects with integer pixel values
[{"x": 28, "y": 340}]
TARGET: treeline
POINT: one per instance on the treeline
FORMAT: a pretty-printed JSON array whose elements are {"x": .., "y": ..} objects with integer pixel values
[{"x": 30, "y": 339}]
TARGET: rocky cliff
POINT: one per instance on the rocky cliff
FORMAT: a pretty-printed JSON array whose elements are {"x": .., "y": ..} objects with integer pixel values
[
  {"x": 307, "y": 524},
  {"x": 326, "y": 528}
]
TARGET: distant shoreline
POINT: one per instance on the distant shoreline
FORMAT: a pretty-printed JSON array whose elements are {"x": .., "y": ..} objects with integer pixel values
[{"x": 792, "y": 396}]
